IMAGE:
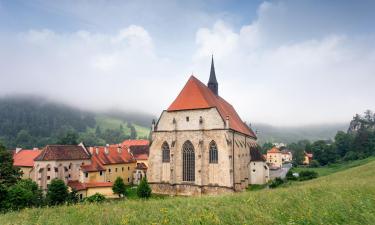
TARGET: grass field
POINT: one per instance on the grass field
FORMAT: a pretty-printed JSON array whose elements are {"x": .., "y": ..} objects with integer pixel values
[
  {"x": 333, "y": 168},
  {"x": 346, "y": 197},
  {"x": 106, "y": 122}
]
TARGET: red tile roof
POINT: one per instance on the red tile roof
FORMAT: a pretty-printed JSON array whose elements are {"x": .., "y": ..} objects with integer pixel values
[
  {"x": 25, "y": 158},
  {"x": 274, "y": 150},
  {"x": 78, "y": 186},
  {"x": 63, "y": 152},
  {"x": 100, "y": 157},
  {"x": 196, "y": 95},
  {"x": 140, "y": 152},
  {"x": 129, "y": 143}
]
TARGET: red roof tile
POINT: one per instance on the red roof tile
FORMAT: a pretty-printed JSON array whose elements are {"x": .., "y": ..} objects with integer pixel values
[
  {"x": 63, "y": 152},
  {"x": 78, "y": 186},
  {"x": 25, "y": 158},
  {"x": 196, "y": 95},
  {"x": 274, "y": 150},
  {"x": 129, "y": 143}
]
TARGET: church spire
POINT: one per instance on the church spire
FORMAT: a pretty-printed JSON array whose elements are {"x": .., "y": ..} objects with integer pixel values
[{"x": 212, "y": 82}]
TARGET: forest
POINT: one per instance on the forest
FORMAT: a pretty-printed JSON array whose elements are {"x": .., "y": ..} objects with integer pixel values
[{"x": 29, "y": 122}]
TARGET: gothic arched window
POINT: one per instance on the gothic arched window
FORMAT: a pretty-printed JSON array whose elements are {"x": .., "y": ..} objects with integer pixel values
[
  {"x": 213, "y": 152},
  {"x": 188, "y": 162},
  {"x": 165, "y": 152}
]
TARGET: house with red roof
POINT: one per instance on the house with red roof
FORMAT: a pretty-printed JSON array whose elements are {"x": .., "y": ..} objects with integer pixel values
[
  {"x": 307, "y": 158},
  {"x": 274, "y": 158},
  {"x": 107, "y": 163},
  {"x": 60, "y": 161},
  {"x": 24, "y": 159},
  {"x": 200, "y": 145}
]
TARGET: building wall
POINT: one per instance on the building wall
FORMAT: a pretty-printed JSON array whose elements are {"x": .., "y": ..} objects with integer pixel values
[
  {"x": 259, "y": 172},
  {"x": 125, "y": 171},
  {"x": 95, "y": 176},
  {"x": 106, "y": 191},
  {"x": 27, "y": 172},
  {"x": 275, "y": 159},
  {"x": 232, "y": 146},
  {"x": 43, "y": 177}
]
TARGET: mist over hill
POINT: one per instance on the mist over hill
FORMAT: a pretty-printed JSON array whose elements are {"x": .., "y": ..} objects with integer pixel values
[
  {"x": 269, "y": 133},
  {"x": 30, "y": 121}
]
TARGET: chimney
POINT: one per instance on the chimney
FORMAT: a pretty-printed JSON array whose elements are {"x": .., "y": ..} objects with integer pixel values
[
  {"x": 18, "y": 150},
  {"x": 227, "y": 122},
  {"x": 91, "y": 150},
  {"x": 35, "y": 149},
  {"x": 119, "y": 150},
  {"x": 106, "y": 149},
  {"x": 97, "y": 150}
]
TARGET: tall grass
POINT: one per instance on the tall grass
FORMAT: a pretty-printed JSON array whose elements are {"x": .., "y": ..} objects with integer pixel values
[{"x": 346, "y": 197}]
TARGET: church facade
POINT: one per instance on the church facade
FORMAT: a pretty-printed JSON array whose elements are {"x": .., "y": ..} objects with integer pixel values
[{"x": 201, "y": 146}]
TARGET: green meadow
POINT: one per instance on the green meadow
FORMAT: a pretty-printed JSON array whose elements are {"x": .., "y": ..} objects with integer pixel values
[{"x": 344, "y": 197}]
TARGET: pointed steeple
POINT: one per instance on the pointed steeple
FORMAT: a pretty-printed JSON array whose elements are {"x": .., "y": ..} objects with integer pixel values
[{"x": 212, "y": 82}]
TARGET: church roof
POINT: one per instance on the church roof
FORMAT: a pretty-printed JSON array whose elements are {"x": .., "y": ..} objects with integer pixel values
[{"x": 196, "y": 95}]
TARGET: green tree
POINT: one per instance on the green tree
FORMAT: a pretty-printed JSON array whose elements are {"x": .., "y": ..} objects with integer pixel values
[
  {"x": 97, "y": 197},
  {"x": 133, "y": 132},
  {"x": 98, "y": 131},
  {"x": 73, "y": 197},
  {"x": 25, "y": 193},
  {"x": 24, "y": 139},
  {"x": 3, "y": 197},
  {"x": 267, "y": 146},
  {"x": 144, "y": 189},
  {"x": 9, "y": 174},
  {"x": 298, "y": 151},
  {"x": 119, "y": 187},
  {"x": 57, "y": 192},
  {"x": 70, "y": 138},
  {"x": 343, "y": 142}
]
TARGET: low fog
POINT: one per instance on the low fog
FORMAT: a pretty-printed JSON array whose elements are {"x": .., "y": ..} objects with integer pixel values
[{"x": 274, "y": 63}]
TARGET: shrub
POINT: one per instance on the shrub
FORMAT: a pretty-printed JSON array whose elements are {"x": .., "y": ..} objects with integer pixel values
[
  {"x": 307, "y": 175},
  {"x": 73, "y": 197},
  {"x": 314, "y": 163},
  {"x": 95, "y": 198},
  {"x": 144, "y": 190},
  {"x": 25, "y": 193},
  {"x": 276, "y": 182},
  {"x": 351, "y": 156},
  {"x": 119, "y": 187},
  {"x": 3, "y": 197},
  {"x": 57, "y": 192},
  {"x": 290, "y": 176}
]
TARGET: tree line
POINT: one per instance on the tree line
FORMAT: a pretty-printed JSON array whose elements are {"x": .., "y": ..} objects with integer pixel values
[
  {"x": 357, "y": 142},
  {"x": 35, "y": 122}
]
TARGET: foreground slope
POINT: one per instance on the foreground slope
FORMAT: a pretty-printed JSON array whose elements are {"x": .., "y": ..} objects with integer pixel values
[{"x": 346, "y": 197}]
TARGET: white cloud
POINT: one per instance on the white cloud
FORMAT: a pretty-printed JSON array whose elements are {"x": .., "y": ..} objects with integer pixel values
[{"x": 289, "y": 82}]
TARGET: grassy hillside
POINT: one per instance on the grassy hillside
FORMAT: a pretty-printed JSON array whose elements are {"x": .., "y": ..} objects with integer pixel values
[
  {"x": 110, "y": 122},
  {"x": 346, "y": 197}
]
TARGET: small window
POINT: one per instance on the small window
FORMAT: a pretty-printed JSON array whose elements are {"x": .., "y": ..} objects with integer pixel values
[
  {"x": 165, "y": 153},
  {"x": 56, "y": 169},
  {"x": 80, "y": 196},
  {"x": 128, "y": 179},
  {"x": 109, "y": 170},
  {"x": 187, "y": 119},
  {"x": 254, "y": 171},
  {"x": 213, "y": 154},
  {"x": 115, "y": 169},
  {"x": 128, "y": 168},
  {"x": 122, "y": 169},
  {"x": 101, "y": 173},
  {"x": 48, "y": 169},
  {"x": 86, "y": 175},
  {"x": 48, "y": 177},
  {"x": 70, "y": 166}
]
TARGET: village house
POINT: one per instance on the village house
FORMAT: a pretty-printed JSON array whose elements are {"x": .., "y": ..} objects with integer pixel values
[
  {"x": 60, "y": 161},
  {"x": 140, "y": 150},
  {"x": 259, "y": 170},
  {"x": 90, "y": 188},
  {"x": 200, "y": 145},
  {"x": 24, "y": 160},
  {"x": 108, "y": 163},
  {"x": 307, "y": 159},
  {"x": 286, "y": 156},
  {"x": 274, "y": 157}
]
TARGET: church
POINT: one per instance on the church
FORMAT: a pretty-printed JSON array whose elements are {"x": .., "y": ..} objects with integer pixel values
[{"x": 201, "y": 146}]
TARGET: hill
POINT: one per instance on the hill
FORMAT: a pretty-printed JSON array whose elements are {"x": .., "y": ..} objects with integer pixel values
[
  {"x": 346, "y": 197},
  {"x": 34, "y": 122},
  {"x": 269, "y": 133}
]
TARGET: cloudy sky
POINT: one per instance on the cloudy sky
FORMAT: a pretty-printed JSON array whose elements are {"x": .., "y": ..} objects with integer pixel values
[{"x": 278, "y": 62}]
